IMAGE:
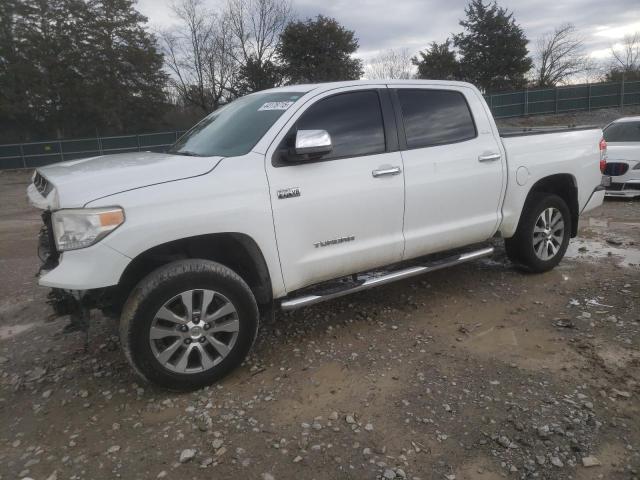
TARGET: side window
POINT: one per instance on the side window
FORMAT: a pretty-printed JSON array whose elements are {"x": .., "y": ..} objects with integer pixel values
[
  {"x": 354, "y": 121},
  {"x": 435, "y": 117}
]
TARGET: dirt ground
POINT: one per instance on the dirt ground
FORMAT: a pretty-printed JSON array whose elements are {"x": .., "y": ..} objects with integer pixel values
[{"x": 476, "y": 372}]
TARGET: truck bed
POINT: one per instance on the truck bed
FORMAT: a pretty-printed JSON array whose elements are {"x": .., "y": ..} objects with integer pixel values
[{"x": 534, "y": 154}]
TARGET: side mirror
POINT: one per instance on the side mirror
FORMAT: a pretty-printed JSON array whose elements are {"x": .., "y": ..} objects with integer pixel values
[{"x": 313, "y": 143}]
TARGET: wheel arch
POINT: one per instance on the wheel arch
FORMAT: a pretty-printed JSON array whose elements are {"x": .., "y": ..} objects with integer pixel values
[
  {"x": 237, "y": 251},
  {"x": 565, "y": 186}
]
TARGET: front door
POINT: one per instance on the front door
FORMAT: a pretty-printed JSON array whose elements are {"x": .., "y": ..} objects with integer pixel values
[{"x": 341, "y": 213}]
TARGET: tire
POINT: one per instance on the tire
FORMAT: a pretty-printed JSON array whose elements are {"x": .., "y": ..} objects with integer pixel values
[
  {"x": 530, "y": 253},
  {"x": 190, "y": 347}
]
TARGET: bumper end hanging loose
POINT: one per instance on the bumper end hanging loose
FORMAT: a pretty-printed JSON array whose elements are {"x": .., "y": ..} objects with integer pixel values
[{"x": 74, "y": 305}]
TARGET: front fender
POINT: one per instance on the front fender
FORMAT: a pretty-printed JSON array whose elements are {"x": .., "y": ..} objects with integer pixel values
[{"x": 232, "y": 198}]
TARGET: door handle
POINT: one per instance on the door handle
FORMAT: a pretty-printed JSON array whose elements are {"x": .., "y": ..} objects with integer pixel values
[
  {"x": 386, "y": 171},
  {"x": 489, "y": 157}
]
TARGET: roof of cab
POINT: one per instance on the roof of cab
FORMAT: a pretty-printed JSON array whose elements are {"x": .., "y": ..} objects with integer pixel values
[
  {"x": 627, "y": 119},
  {"x": 354, "y": 83}
]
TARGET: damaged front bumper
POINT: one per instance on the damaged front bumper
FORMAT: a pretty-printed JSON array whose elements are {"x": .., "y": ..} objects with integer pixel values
[
  {"x": 80, "y": 280},
  {"x": 65, "y": 297},
  {"x": 95, "y": 267},
  {"x": 77, "y": 304},
  {"x": 72, "y": 302}
]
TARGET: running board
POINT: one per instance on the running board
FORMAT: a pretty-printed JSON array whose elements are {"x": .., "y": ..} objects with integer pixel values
[{"x": 311, "y": 299}]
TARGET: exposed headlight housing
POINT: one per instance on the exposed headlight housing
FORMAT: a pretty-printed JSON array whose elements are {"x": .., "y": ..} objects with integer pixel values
[{"x": 76, "y": 228}]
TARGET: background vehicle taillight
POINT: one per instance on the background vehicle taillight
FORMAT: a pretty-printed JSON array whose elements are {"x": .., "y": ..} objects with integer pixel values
[{"x": 603, "y": 154}]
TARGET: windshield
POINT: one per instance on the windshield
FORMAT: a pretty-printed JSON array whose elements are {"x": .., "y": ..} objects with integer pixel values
[
  {"x": 235, "y": 129},
  {"x": 623, "y": 132}
]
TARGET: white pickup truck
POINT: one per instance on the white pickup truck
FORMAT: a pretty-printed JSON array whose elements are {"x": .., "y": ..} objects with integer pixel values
[{"x": 295, "y": 195}]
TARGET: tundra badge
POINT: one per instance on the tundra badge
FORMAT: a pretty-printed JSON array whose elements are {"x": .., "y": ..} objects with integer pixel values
[{"x": 334, "y": 241}]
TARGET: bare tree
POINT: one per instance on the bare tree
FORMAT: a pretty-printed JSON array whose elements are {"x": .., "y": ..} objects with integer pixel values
[
  {"x": 199, "y": 55},
  {"x": 223, "y": 68},
  {"x": 627, "y": 58},
  {"x": 560, "y": 56},
  {"x": 209, "y": 52},
  {"x": 593, "y": 71},
  {"x": 256, "y": 26},
  {"x": 395, "y": 64}
]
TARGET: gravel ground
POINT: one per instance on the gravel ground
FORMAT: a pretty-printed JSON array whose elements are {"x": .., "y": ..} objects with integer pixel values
[{"x": 476, "y": 372}]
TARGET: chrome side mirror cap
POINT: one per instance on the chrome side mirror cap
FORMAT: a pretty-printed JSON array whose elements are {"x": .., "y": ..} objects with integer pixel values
[{"x": 313, "y": 142}]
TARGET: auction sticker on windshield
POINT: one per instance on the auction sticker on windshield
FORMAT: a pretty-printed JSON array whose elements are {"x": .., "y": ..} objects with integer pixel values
[{"x": 275, "y": 106}]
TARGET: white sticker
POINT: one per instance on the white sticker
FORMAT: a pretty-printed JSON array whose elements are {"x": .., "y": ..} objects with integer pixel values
[{"x": 275, "y": 106}]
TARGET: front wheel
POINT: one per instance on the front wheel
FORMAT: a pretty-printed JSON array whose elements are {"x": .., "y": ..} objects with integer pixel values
[
  {"x": 188, "y": 324},
  {"x": 543, "y": 233}
]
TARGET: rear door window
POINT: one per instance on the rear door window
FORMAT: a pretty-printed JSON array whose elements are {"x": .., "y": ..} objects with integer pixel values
[{"x": 435, "y": 117}]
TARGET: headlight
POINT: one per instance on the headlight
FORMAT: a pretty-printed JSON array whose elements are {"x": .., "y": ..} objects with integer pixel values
[{"x": 82, "y": 227}]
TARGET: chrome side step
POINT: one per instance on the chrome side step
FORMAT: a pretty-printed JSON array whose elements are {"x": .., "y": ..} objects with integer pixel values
[{"x": 310, "y": 299}]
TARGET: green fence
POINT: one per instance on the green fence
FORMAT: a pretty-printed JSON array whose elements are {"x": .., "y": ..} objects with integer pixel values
[
  {"x": 30, "y": 155},
  {"x": 572, "y": 98},
  {"x": 512, "y": 104}
]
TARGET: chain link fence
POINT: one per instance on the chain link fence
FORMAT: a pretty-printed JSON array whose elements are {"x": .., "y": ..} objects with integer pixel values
[
  {"x": 572, "y": 98},
  {"x": 37, "y": 154}
]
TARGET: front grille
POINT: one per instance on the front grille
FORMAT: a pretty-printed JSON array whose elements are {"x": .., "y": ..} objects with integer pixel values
[
  {"x": 615, "y": 187},
  {"x": 42, "y": 184},
  {"x": 47, "y": 251},
  {"x": 616, "y": 169}
]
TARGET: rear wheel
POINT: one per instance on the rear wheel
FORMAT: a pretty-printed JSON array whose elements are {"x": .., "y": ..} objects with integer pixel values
[
  {"x": 188, "y": 324},
  {"x": 543, "y": 233}
]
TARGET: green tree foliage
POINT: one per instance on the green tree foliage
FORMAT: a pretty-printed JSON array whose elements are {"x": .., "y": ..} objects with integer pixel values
[
  {"x": 318, "y": 50},
  {"x": 81, "y": 67},
  {"x": 493, "y": 48},
  {"x": 618, "y": 74},
  {"x": 127, "y": 81},
  {"x": 255, "y": 75},
  {"x": 12, "y": 98},
  {"x": 35, "y": 48},
  {"x": 257, "y": 26},
  {"x": 438, "y": 62}
]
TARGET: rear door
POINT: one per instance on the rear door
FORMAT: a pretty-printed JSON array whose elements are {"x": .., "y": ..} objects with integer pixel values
[
  {"x": 341, "y": 213},
  {"x": 453, "y": 168}
]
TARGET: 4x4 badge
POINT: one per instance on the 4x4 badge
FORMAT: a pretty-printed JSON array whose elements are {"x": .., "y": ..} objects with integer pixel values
[{"x": 288, "y": 193}]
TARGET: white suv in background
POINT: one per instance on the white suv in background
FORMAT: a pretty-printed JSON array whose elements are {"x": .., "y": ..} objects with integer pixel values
[{"x": 623, "y": 164}]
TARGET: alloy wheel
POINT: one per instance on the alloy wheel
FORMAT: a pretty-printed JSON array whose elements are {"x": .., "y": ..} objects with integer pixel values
[
  {"x": 548, "y": 233},
  {"x": 194, "y": 331}
]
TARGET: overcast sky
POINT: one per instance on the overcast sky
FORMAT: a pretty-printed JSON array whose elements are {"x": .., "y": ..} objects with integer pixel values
[{"x": 413, "y": 24}]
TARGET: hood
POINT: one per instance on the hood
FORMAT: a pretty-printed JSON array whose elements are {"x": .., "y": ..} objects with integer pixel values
[{"x": 77, "y": 182}]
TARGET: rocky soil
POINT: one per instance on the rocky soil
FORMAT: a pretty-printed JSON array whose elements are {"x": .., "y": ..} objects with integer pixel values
[{"x": 477, "y": 372}]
